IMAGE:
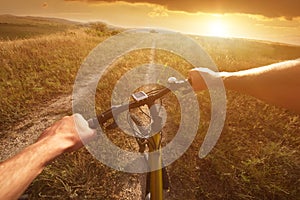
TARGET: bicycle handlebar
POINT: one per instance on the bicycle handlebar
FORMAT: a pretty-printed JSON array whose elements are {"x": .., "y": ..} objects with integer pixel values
[{"x": 174, "y": 84}]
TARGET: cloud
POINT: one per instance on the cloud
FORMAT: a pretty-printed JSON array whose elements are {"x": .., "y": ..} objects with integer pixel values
[
  {"x": 158, "y": 11},
  {"x": 45, "y": 5},
  {"x": 269, "y": 8}
]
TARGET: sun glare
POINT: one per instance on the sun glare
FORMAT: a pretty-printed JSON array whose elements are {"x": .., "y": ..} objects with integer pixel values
[{"x": 217, "y": 28}]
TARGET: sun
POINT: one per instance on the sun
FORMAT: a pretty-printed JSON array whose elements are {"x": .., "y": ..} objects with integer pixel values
[{"x": 217, "y": 28}]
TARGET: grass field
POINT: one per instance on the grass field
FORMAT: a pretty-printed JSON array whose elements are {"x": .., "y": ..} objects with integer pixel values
[{"x": 257, "y": 156}]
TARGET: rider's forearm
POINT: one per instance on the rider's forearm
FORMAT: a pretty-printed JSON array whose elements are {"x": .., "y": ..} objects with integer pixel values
[
  {"x": 63, "y": 136},
  {"x": 19, "y": 171},
  {"x": 276, "y": 84}
]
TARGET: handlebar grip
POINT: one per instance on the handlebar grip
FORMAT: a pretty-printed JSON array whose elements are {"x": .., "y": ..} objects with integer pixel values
[{"x": 92, "y": 123}]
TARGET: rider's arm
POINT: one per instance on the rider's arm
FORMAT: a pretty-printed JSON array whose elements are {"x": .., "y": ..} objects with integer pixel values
[
  {"x": 19, "y": 171},
  {"x": 278, "y": 84}
]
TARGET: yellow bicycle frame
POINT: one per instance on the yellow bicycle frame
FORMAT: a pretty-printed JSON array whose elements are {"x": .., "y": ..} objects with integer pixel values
[{"x": 156, "y": 180}]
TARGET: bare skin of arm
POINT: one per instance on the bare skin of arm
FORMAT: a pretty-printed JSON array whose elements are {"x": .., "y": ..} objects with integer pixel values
[
  {"x": 19, "y": 171},
  {"x": 277, "y": 84}
]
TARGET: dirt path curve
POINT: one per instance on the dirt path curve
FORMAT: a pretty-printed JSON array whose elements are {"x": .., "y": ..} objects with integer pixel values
[{"x": 28, "y": 130}]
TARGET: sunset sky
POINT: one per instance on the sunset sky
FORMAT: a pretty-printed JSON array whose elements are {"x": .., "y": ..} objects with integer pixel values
[{"x": 274, "y": 20}]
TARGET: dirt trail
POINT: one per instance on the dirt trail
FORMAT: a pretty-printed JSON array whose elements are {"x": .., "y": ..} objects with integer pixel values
[{"x": 28, "y": 130}]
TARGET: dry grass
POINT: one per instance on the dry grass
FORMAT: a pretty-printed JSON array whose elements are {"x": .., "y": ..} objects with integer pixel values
[
  {"x": 36, "y": 70},
  {"x": 257, "y": 156}
]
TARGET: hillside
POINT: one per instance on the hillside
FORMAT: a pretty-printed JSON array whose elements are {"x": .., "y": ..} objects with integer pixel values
[
  {"x": 15, "y": 27},
  {"x": 257, "y": 156}
]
